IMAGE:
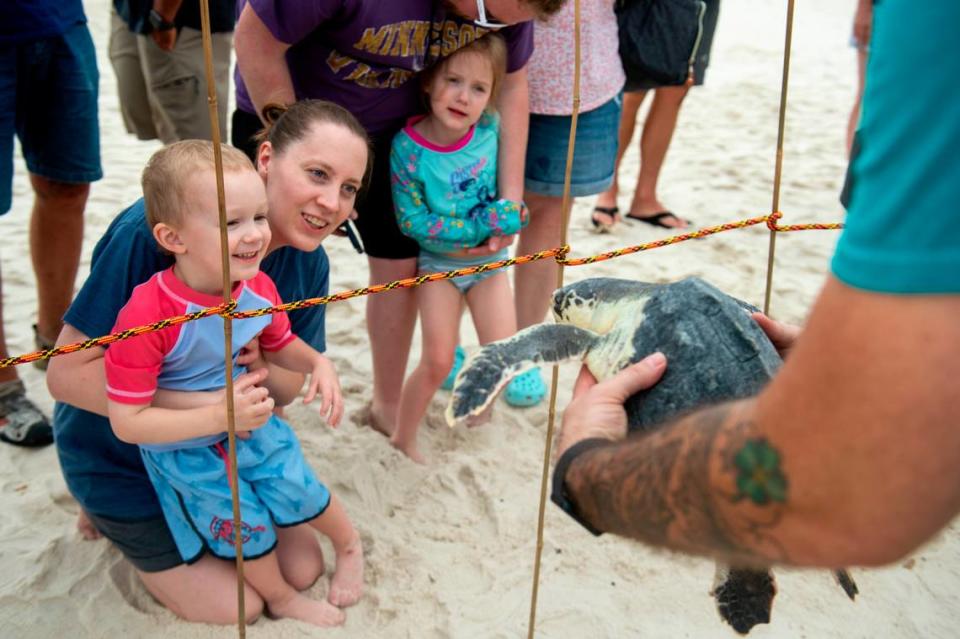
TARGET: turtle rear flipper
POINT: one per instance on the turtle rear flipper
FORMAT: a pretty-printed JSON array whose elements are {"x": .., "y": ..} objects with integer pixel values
[
  {"x": 744, "y": 597},
  {"x": 489, "y": 370}
]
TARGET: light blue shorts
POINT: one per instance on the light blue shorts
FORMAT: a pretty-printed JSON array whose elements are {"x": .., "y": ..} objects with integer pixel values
[
  {"x": 594, "y": 156},
  {"x": 48, "y": 99},
  {"x": 429, "y": 262},
  {"x": 277, "y": 488}
]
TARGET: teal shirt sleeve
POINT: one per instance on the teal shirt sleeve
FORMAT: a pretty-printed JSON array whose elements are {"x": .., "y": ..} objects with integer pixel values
[
  {"x": 902, "y": 231},
  {"x": 446, "y": 199}
]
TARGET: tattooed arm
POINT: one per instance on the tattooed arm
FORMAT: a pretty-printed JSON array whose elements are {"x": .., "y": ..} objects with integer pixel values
[{"x": 849, "y": 457}]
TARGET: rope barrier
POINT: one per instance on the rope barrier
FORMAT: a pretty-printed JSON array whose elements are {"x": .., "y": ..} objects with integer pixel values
[{"x": 559, "y": 254}]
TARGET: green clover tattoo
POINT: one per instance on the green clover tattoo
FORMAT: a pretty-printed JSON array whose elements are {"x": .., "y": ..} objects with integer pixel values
[{"x": 758, "y": 473}]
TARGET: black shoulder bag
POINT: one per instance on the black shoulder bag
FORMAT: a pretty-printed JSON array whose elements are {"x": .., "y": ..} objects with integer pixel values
[{"x": 659, "y": 39}]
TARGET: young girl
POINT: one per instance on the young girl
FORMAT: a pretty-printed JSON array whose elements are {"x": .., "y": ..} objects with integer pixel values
[{"x": 444, "y": 179}]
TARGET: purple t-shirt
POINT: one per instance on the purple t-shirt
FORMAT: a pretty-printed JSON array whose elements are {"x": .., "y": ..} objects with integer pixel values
[{"x": 363, "y": 54}]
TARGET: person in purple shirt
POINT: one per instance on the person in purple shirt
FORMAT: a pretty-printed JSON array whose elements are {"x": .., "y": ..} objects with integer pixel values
[{"x": 364, "y": 55}]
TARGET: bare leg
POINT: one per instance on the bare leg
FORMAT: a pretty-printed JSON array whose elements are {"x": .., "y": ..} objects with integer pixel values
[
  {"x": 489, "y": 303},
  {"x": 536, "y": 281},
  {"x": 654, "y": 143},
  {"x": 346, "y": 586},
  {"x": 10, "y": 372},
  {"x": 494, "y": 319},
  {"x": 440, "y": 308},
  {"x": 299, "y": 555},
  {"x": 283, "y": 600},
  {"x": 85, "y": 527},
  {"x": 628, "y": 123},
  {"x": 855, "y": 110},
  {"x": 203, "y": 592},
  {"x": 56, "y": 237},
  {"x": 206, "y": 590},
  {"x": 390, "y": 321}
]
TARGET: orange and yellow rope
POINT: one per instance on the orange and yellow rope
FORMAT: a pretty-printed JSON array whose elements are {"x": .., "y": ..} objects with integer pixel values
[{"x": 559, "y": 254}]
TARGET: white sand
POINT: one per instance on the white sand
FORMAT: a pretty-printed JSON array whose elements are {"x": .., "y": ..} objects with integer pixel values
[{"x": 450, "y": 547}]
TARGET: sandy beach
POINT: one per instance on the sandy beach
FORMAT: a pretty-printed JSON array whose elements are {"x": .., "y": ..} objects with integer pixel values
[{"x": 450, "y": 546}]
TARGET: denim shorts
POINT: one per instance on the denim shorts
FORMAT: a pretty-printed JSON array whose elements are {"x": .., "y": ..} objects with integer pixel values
[
  {"x": 48, "y": 99},
  {"x": 594, "y": 156},
  {"x": 429, "y": 262}
]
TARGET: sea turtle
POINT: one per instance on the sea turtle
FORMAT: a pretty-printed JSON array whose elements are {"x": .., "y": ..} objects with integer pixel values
[{"x": 715, "y": 352}]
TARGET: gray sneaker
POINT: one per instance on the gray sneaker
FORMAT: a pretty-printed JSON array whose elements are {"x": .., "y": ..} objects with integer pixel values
[{"x": 26, "y": 425}]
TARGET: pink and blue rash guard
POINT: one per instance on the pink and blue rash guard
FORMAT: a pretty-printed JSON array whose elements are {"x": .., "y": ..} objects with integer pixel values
[
  {"x": 189, "y": 356},
  {"x": 276, "y": 485}
]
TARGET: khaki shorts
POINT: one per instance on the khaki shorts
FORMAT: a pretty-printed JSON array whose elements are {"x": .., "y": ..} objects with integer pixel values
[{"x": 163, "y": 95}]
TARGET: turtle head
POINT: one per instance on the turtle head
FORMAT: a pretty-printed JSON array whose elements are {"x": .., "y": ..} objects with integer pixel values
[{"x": 598, "y": 303}]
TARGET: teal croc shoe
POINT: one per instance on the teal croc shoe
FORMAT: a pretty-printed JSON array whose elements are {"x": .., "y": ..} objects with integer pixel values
[
  {"x": 458, "y": 356},
  {"x": 526, "y": 389}
]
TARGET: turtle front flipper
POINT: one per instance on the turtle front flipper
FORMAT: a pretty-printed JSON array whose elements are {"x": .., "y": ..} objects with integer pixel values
[
  {"x": 744, "y": 597},
  {"x": 489, "y": 370}
]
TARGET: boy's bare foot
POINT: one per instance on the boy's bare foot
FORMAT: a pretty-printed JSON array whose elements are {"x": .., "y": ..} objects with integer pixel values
[
  {"x": 87, "y": 530},
  {"x": 346, "y": 586},
  {"x": 319, "y": 613},
  {"x": 410, "y": 450}
]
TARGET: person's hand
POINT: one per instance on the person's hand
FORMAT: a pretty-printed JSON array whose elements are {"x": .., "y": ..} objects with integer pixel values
[
  {"x": 597, "y": 408},
  {"x": 491, "y": 246},
  {"x": 780, "y": 334},
  {"x": 252, "y": 404},
  {"x": 863, "y": 23},
  {"x": 325, "y": 383},
  {"x": 249, "y": 355},
  {"x": 166, "y": 40}
]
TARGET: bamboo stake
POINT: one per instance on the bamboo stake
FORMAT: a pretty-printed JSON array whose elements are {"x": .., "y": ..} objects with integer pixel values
[
  {"x": 788, "y": 39},
  {"x": 227, "y": 322},
  {"x": 551, "y": 418}
]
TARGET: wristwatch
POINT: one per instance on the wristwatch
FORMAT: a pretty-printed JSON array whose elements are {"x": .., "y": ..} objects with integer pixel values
[
  {"x": 158, "y": 22},
  {"x": 559, "y": 493}
]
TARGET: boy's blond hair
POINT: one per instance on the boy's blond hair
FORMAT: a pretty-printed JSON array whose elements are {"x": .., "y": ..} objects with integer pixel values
[
  {"x": 492, "y": 48},
  {"x": 164, "y": 178}
]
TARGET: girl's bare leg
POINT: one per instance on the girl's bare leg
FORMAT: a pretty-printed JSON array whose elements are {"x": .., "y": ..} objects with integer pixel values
[
  {"x": 440, "y": 308},
  {"x": 491, "y": 306}
]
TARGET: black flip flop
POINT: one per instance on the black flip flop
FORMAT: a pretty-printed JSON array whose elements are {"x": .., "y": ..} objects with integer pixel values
[
  {"x": 609, "y": 211},
  {"x": 657, "y": 220}
]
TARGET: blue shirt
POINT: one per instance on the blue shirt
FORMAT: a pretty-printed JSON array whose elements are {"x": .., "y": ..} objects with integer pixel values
[
  {"x": 23, "y": 20},
  {"x": 903, "y": 224},
  {"x": 104, "y": 474}
]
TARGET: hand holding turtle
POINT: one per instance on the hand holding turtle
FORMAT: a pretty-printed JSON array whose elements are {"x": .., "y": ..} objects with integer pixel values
[
  {"x": 781, "y": 335},
  {"x": 597, "y": 408}
]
